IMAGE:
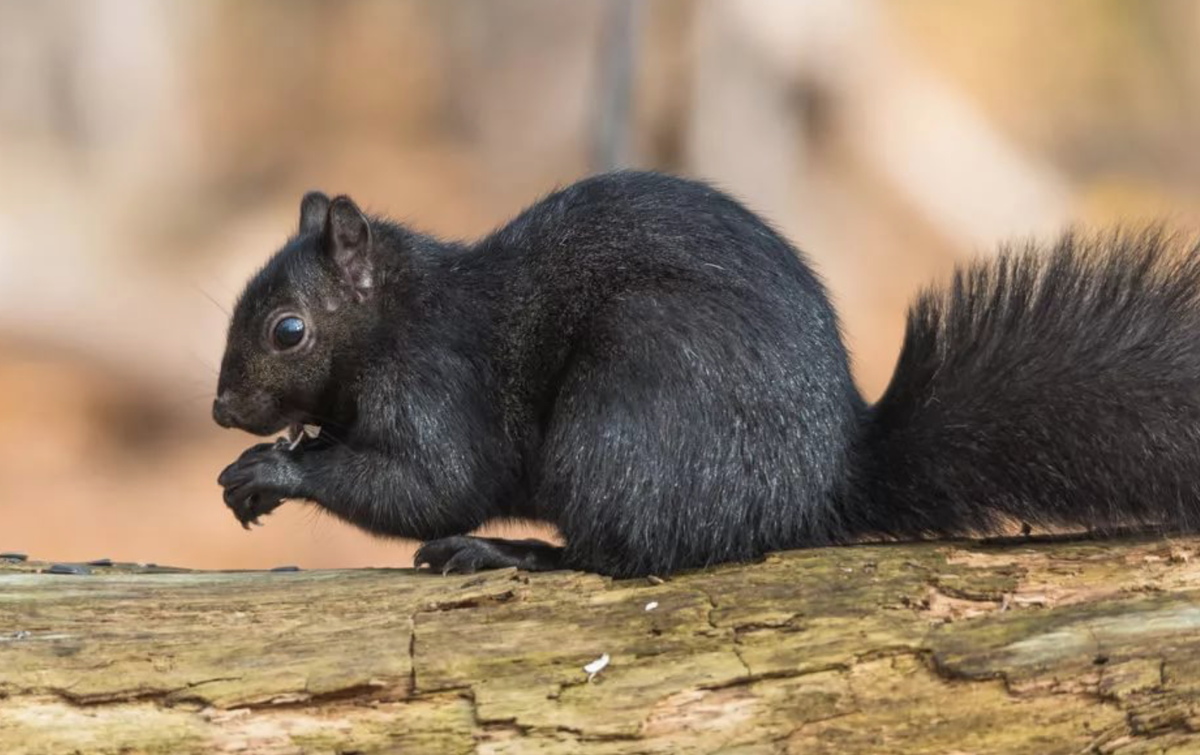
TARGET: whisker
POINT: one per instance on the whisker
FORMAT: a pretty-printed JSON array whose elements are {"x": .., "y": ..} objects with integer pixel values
[
  {"x": 209, "y": 296},
  {"x": 205, "y": 363}
]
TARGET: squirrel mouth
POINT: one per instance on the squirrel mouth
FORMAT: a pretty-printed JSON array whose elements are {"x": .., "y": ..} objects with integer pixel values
[{"x": 297, "y": 432}]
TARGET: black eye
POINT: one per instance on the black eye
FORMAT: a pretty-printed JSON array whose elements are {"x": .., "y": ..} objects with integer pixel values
[{"x": 289, "y": 332}]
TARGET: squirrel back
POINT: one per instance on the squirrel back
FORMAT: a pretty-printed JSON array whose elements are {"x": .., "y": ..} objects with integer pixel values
[{"x": 644, "y": 363}]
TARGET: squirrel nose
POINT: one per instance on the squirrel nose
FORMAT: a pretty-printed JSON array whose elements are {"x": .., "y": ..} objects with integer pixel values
[{"x": 221, "y": 412}]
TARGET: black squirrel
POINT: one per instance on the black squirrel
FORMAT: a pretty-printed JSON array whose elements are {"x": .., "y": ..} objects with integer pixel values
[{"x": 644, "y": 363}]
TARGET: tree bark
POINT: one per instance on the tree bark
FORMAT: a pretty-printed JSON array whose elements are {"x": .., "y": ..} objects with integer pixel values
[{"x": 1024, "y": 646}]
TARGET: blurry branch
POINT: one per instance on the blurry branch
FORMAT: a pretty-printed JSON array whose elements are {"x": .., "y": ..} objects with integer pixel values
[
  {"x": 964, "y": 176},
  {"x": 612, "y": 140}
]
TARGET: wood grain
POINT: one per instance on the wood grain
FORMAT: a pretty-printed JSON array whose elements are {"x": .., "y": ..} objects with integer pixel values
[{"x": 967, "y": 647}]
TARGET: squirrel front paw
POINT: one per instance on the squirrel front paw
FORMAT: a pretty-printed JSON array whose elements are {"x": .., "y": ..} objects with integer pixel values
[{"x": 259, "y": 481}]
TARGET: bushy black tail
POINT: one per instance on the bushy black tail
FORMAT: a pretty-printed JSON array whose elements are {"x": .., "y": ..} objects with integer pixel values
[{"x": 1054, "y": 387}]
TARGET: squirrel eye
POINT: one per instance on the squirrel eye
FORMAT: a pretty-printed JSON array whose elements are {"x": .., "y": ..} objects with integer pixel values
[{"x": 288, "y": 332}]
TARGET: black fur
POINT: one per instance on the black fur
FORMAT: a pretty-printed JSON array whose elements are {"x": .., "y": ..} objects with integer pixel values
[
  {"x": 647, "y": 365},
  {"x": 1051, "y": 387}
]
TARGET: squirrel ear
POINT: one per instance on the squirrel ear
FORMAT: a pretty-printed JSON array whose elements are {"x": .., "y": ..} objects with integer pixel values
[
  {"x": 348, "y": 243},
  {"x": 314, "y": 210}
]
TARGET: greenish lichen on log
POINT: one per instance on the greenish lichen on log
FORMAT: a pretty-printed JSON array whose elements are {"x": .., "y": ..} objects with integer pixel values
[{"x": 1018, "y": 647}]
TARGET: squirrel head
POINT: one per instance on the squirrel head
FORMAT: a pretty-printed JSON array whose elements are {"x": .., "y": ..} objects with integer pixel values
[{"x": 295, "y": 319}]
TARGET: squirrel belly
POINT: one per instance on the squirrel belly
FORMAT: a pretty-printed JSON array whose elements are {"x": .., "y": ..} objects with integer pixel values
[{"x": 644, "y": 363}]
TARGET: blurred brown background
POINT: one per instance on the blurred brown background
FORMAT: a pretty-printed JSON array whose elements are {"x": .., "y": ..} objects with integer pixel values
[{"x": 152, "y": 153}]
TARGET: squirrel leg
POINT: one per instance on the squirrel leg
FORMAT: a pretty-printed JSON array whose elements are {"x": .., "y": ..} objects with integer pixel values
[{"x": 463, "y": 554}]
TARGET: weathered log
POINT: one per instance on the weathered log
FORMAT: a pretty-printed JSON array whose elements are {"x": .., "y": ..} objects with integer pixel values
[{"x": 966, "y": 647}]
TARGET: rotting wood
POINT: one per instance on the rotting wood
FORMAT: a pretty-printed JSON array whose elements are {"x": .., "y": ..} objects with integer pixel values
[{"x": 1046, "y": 647}]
